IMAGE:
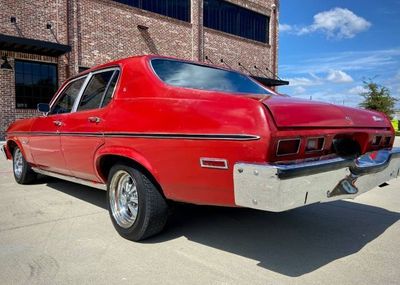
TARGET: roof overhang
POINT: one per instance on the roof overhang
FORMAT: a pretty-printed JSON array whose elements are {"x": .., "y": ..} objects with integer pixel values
[
  {"x": 269, "y": 82},
  {"x": 25, "y": 45}
]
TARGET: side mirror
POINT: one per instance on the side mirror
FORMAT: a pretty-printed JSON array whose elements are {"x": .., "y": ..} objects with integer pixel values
[{"x": 43, "y": 108}]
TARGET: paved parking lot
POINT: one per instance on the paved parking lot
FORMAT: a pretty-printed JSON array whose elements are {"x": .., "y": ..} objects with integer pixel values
[{"x": 56, "y": 232}]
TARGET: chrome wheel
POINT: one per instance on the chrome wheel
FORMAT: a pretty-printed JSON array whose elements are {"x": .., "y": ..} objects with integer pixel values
[
  {"x": 18, "y": 163},
  {"x": 123, "y": 195}
]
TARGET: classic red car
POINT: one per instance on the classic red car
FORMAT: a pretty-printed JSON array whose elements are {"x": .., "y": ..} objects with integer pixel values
[{"x": 152, "y": 130}]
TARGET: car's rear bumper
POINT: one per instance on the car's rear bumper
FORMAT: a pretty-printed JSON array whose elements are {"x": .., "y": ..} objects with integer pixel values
[{"x": 283, "y": 187}]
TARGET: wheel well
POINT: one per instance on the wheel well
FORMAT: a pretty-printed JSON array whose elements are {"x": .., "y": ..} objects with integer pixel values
[
  {"x": 108, "y": 161},
  {"x": 11, "y": 145}
]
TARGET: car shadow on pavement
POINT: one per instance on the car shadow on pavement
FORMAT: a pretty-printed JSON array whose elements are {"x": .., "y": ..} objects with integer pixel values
[
  {"x": 91, "y": 195},
  {"x": 292, "y": 243}
]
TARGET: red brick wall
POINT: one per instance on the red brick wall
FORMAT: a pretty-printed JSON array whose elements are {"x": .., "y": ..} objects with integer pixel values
[
  {"x": 102, "y": 30},
  {"x": 8, "y": 112},
  {"x": 108, "y": 30}
]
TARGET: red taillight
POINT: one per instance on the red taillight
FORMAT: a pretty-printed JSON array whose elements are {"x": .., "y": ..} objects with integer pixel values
[
  {"x": 288, "y": 147},
  {"x": 315, "y": 144}
]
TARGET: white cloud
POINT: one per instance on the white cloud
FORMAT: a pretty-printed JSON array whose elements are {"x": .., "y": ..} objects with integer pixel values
[
  {"x": 302, "y": 81},
  {"x": 338, "y": 76},
  {"x": 285, "y": 28},
  {"x": 299, "y": 90},
  {"x": 357, "y": 90},
  {"x": 349, "y": 60},
  {"x": 336, "y": 23}
]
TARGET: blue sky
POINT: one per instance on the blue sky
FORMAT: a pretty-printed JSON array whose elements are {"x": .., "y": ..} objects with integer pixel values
[{"x": 327, "y": 48}]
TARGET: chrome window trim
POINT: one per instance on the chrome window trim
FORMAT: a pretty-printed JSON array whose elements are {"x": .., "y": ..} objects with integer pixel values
[
  {"x": 291, "y": 139},
  {"x": 83, "y": 87},
  {"x": 55, "y": 100},
  {"x": 79, "y": 97},
  {"x": 321, "y": 149},
  {"x": 150, "y": 61},
  {"x": 115, "y": 87},
  {"x": 85, "y": 84}
]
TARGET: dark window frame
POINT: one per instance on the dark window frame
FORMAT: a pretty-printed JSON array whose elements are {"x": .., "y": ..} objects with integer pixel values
[
  {"x": 233, "y": 19},
  {"x": 88, "y": 76},
  {"x": 50, "y": 96},
  {"x": 115, "y": 73},
  {"x": 155, "y": 6},
  {"x": 60, "y": 95}
]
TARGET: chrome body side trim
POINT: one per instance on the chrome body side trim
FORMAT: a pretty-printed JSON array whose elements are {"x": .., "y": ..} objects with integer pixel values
[
  {"x": 71, "y": 178},
  {"x": 279, "y": 188},
  {"x": 234, "y": 137}
]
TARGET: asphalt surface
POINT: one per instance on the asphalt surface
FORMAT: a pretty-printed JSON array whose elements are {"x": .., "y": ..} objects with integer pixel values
[{"x": 57, "y": 232}]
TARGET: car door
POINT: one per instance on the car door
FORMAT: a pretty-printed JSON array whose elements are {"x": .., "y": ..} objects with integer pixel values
[
  {"x": 82, "y": 130},
  {"x": 45, "y": 142}
]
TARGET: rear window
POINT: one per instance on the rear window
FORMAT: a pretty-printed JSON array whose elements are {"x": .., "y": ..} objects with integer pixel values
[{"x": 190, "y": 75}]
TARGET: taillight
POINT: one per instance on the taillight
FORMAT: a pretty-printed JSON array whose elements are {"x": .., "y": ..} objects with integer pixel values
[
  {"x": 376, "y": 140},
  {"x": 315, "y": 144},
  {"x": 388, "y": 140},
  {"x": 288, "y": 147}
]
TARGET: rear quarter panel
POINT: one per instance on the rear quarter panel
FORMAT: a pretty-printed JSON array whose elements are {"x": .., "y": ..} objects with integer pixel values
[{"x": 175, "y": 162}]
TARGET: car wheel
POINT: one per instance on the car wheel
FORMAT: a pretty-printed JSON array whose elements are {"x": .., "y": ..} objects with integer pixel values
[
  {"x": 23, "y": 172},
  {"x": 137, "y": 209}
]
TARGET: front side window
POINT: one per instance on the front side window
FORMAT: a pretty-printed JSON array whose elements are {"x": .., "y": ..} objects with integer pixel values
[
  {"x": 67, "y": 99},
  {"x": 93, "y": 94},
  {"x": 189, "y": 75},
  {"x": 35, "y": 82}
]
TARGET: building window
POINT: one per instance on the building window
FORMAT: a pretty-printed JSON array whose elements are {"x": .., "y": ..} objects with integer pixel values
[
  {"x": 178, "y": 9},
  {"x": 229, "y": 18},
  {"x": 35, "y": 82}
]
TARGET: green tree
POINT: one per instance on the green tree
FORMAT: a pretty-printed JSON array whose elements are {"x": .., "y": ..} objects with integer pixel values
[{"x": 378, "y": 98}]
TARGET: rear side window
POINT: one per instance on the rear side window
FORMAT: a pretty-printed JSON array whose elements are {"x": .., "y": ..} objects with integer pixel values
[
  {"x": 110, "y": 89},
  {"x": 93, "y": 94},
  {"x": 67, "y": 98},
  {"x": 189, "y": 75}
]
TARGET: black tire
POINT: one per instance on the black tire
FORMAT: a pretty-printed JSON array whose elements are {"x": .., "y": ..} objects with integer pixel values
[
  {"x": 23, "y": 173},
  {"x": 149, "y": 205}
]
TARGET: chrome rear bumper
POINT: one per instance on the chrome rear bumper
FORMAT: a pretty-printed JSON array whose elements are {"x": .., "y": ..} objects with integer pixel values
[{"x": 281, "y": 187}]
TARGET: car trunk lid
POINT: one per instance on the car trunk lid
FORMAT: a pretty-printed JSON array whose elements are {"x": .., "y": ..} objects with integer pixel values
[{"x": 292, "y": 112}]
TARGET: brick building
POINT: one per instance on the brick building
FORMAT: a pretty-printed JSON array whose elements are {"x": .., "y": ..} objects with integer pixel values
[{"x": 44, "y": 42}]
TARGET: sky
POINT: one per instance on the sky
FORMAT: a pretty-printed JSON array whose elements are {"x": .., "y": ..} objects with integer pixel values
[{"x": 328, "y": 48}]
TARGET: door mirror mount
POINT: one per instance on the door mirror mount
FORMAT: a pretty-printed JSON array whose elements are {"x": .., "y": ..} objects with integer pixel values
[{"x": 43, "y": 108}]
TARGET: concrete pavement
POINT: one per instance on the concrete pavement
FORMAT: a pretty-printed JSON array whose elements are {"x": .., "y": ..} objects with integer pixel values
[{"x": 56, "y": 232}]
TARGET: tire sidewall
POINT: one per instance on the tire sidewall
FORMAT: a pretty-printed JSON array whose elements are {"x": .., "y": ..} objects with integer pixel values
[
  {"x": 136, "y": 230},
  {"x": 24, "y": 166}
]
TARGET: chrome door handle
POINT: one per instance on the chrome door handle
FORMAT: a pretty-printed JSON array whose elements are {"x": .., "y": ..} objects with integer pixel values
[
  {"x": 94, "y": 120},
  {"x": 57, "y": 123}
]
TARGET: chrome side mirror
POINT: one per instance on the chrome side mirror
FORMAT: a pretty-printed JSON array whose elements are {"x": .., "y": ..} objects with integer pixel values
[{"x": 43, "y": 108}]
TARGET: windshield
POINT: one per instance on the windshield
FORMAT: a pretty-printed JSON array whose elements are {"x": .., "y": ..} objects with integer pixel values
[{"x": 190, "y": 75}]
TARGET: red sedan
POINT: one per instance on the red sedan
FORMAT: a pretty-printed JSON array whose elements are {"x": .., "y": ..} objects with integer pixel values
[{"x": 151, "y": 130}]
